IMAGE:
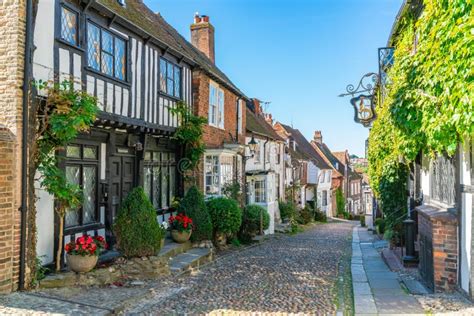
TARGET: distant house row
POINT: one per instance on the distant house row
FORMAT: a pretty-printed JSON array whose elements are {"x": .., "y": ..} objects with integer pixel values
[{"x": 139, "y": 68}]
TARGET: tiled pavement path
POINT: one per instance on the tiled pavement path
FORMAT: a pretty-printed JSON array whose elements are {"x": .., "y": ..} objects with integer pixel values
[
  {"x": 376, "y": 288},
  {"x": 285, "y": 274}
]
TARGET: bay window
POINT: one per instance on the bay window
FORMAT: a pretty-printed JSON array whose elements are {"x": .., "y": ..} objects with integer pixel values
[
  {"x": 218, "y": 171},
  {"x": 216, "y": 106},
  {"x": 260, "y": 191}
]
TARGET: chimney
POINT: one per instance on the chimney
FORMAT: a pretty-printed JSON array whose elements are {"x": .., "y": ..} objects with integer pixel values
[
  {"x": 257, "y": 107},
  {"x": 202, "y": 35},
  {"x": 318, "y": 137}
]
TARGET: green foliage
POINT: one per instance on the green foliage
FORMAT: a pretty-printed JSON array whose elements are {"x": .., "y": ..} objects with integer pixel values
[
  {"x": 189, "y": 134},
  {"x": 305, "y": 215},
  {"x": 287, "y": 210},
  {"x": 362, "y": 220},
  {"x": 380, "y": 225},
  {"x": 340, "y": 203},
  {"x": 233, "y": 190},
  {"x": 194, "y": 206},
  {"x": 236, "y": 242},
  {"x": 61, "y": 117},
  {"x": 40, "y": 271},
  {"x": 320, "y": 216},
  {"x": 429, "y": 104},
  {"x": 136, "y": 228},
  {"x": 251, "y": 219},
  {"x": 226, "y": 215}
]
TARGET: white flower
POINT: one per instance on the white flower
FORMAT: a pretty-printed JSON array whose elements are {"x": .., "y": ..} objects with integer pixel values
[{"x": 165, "y": 225}]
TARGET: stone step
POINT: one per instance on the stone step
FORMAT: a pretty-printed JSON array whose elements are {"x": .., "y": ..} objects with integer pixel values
[
  {"x": 283, "y": 228},
  {"x": 190, "y": 260},
  {"x": 172, "y": 249}
]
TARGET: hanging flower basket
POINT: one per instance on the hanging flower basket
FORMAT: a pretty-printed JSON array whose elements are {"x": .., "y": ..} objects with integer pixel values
[{"x": 82, "y": 254}]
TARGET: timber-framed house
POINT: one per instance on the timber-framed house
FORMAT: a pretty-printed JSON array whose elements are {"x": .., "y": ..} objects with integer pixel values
[{"x": 139, "y": 68}]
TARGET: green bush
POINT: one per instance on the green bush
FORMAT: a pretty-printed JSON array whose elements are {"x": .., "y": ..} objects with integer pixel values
[
  {"x": 194, "y": 206},
  {"x": 320, "y": 216},
  {"x": 136, "y": 228},
  {"x": 380, "y": 224},
  {"x": 287, "y": 210},
  {"x": 305, "y": 215},
  {"x": 251, "y": 216},
  {"x": 226, "y": 215},
  {"x": 340, "y": 203},
  {"x": 362, "y": 220}
]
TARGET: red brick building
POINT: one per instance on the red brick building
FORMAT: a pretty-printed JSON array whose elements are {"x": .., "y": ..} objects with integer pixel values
[{"x": 216, "y": 98}]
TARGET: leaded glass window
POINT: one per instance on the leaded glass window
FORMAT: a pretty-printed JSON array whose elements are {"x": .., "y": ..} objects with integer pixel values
[
  {"x": 170, "y": 78},
  {"x": 106, "y": 52},
  {"x": 443, "y": 180},
  {"x": 82, "y": 165},
  {"x": 260, "y": 193},
  {"x": 69, "y": 26},
  {"x": 159, "y": 178}
]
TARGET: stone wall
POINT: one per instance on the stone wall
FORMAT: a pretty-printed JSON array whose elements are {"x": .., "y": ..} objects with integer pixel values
[
  {"x": 12, "y": 51},
  {"x": 438, "y": 227}
]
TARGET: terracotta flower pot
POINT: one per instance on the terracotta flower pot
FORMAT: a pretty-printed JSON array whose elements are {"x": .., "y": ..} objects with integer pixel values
[
  {"x": 180, "y": 237},
  {"x": 81, "y": 264}
]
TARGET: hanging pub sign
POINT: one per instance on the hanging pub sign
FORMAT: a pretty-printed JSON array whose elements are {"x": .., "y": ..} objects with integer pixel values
[{"x": 364, "y": 112}]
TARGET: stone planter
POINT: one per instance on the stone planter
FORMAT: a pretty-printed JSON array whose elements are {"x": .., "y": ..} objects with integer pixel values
[
  {"x": 180, "y": 237},
  {"x": 81, "y": 264}
]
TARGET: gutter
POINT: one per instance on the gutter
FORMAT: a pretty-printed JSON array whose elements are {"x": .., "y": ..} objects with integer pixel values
[{"x": 24, "y": 145}]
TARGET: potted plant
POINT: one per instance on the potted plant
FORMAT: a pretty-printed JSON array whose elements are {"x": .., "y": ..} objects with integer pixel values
[
  {"x": 181, "y": 228},
  {"x": 82, "y": 254}
]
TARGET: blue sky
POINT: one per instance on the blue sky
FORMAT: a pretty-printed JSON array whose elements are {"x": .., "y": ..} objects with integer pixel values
[{"x": 297, "y": 54}]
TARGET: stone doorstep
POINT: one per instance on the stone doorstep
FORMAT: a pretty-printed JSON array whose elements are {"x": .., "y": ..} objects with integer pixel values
[{"x": 190, "y": 260}]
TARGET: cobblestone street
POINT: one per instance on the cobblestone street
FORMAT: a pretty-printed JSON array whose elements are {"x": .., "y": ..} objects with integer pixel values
[{"x": 285, "y": 274}]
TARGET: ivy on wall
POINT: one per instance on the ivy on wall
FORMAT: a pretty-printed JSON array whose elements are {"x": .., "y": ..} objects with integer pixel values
[{"x": 429, "y": 105}]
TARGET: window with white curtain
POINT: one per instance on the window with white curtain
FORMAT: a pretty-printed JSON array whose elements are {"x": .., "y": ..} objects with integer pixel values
[
  {"x": 260, "y": 188},
  {"x": 218, "y": 171}
]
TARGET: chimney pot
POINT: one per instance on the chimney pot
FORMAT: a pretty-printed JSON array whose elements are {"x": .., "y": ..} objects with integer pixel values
[{"x": 318, "y": 137}]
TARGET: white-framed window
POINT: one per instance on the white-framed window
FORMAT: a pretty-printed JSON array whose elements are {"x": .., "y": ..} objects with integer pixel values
[
  {"x": 322, "y": 176},
  {"x": 328, "y": 176},
  {"x": 260, "y": 191},
  {"x": 240, "y": 106},
  {"x": 216, "y": 106},
  {"x": 325, "y": 198},
  {"x": 257, "y": 153},
  {"x": 218, "y": 171}
]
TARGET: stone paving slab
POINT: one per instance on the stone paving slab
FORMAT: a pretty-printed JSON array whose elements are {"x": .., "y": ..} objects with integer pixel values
[{"x": 377, "y": 290}]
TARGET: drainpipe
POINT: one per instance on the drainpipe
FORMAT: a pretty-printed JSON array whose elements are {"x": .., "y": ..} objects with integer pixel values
[
  {"x": 24, "y": 145},
  {"x": 265, "y": 153}
]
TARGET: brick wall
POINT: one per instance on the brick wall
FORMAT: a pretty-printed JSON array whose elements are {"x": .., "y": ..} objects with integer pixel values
[
  {"x": 215, "y": 138},
  {"x": 9, "y": 216},
  {"x": 12, "y": 48},
  {"x": 440, "y": 228}
]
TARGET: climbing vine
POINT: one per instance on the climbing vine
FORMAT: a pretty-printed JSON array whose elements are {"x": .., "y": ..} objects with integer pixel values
[
  {"x": 189, "y": 135},
  {"x": 61, "y": 115},
  {"x": 429, "y": 105}
]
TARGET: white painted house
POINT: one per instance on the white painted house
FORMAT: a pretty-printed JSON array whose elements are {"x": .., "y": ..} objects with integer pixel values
[{"x": 265, "y": 167}]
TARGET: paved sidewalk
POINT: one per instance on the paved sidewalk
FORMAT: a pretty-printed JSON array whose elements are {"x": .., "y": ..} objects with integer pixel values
[{"x": 376, "y": 289}]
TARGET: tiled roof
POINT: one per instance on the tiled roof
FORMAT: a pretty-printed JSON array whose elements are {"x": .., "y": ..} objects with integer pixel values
[
  {"x": 330, "y": 157},
  {"x": 340, "y": 155},
  {"x": 256, "y": 123},
  {"x": 304, "y": 147},
  {"x": 137, "y": 13}
]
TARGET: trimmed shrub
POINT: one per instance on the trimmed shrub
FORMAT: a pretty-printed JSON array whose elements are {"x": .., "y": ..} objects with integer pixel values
[
  {"x": 226, "y": 215},
  {"x": 136, "y": 228},
  {"x": 380, "y": 224},
  {"x": 320, "y": 216},
  {"x": 287, "y": 210},
  {"x": 362, "y": 220},
  {"x": 251, "y": 216},
  {"x": 194, "y": 206},
  {"x": 305, "y": 215}
]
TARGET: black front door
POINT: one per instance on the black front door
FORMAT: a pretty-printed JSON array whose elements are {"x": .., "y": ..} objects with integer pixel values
[{"x": 121, "y": 170}]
